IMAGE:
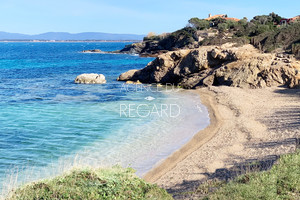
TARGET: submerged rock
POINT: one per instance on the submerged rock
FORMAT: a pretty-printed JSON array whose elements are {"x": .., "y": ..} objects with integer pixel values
[
  {"x": 244, "y": 67},
  {"x": 133, "y": 82},
  {"x": 90, "y": 79}
]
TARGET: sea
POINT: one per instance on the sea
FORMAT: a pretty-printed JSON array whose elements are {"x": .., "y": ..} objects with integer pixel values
[{"x": 49, "y": 124}]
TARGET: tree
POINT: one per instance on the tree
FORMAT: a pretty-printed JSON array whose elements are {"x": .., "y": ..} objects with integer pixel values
[
  {"x": 199, "y": 24},
  {"x": 231, "y": 24},
  {"x": 151, "y": 34},
  {"x": 243, "y": 22},
  {"x": 261, "y": 29},
  {"x": 222, "y": 27},
  {"x": 275, "y": 17}
]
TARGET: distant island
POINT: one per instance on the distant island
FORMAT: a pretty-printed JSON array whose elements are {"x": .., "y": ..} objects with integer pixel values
[{"x": 65, "y": 36}]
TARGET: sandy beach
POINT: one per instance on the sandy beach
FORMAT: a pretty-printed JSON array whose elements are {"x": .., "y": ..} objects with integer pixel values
[{"x": 247, "y": 126}]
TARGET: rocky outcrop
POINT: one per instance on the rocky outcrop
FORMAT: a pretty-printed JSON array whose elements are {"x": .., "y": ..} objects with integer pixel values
[
  {"x": 135, "y": 48},
  {"x": 90, "y": 79},
  {"x": 153, "y": 46},
  {"x": 144, "y": 49},
  {"x": 242, "y": 67}
]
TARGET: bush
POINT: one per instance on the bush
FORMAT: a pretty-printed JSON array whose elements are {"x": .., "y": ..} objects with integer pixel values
[
  {"x": 222, "y": 27},
  {"x": 282, "y": 37},
  {"x": 178, "y": 39},
  {"x": 296, "y": 49},
  {"x": 114, "y": 183},
  {"x": 199, "y": 24},
  {"x": 261, "y": 29},
  {"x": 281, "y": 182},
  {"x": 232, "y": 24},
  {"x": 152, "y": 38}
]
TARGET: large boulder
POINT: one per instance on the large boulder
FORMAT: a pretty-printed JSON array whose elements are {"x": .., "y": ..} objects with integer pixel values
[
  {"x": 127, "y": 75},
  {"x": 90, "y": 79},
  {"x": 244, "y": 67}
]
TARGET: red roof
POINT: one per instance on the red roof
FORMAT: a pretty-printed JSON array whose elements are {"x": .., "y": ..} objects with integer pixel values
[
  {"x": 233, "y": 19},
  {"x": 223, "y": 17}
]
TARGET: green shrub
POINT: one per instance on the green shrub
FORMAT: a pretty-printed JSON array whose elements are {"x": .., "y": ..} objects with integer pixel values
[
  {"x": 296, "y": 49},
  {"x": 261, "y": 29},
  {"x": 152, "y": 38},
  {"x": 232, "y": 24},
  {"x": 282, "y": 37},
  {"x": 281, "y": 182},
  {"x": 199, "y": 24},
  {"x": 114, "y": 183},
  {"x": 222, "y": 27}
]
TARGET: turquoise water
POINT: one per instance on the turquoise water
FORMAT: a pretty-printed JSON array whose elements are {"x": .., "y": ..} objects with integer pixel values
[{"x": 48, "y": 123}]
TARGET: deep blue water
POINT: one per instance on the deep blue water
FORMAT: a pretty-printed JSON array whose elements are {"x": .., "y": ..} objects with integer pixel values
[{"x": 46, "y": 119}]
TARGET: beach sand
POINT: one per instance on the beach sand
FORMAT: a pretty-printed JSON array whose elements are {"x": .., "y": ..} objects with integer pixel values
[{"x": 247, "y": 125}]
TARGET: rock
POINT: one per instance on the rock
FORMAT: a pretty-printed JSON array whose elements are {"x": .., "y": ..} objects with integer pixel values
[
  {"x": 280, "y": 55},
  {"x": 159, "y": 44},
  {"x": 133, "y": 82},
  {"x": 92, "y": 51},
  {"x": 127, "y": 75},
  {"x": 135, "y": 48},
  {"x": 243, "y": 67},
  {"x": 90, "y": 79}
]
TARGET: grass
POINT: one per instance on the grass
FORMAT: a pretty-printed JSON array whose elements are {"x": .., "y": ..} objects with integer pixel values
[
  {"x": 281, "y": 182},
  {"x": 113, "y": 183}
]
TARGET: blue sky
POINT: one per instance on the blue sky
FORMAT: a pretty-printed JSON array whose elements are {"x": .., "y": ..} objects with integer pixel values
[{"x": 131, "y": 16}]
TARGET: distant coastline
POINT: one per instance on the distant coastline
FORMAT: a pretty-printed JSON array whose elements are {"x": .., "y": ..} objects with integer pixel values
[
  {"x": 65, "y": 36},
  {"x": 70, "y": 40}
]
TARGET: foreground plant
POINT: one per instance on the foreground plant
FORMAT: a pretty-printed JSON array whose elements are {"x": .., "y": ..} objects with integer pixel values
[
  {"x": 281, "y": 182},
  {"x": 113, "y": 183}
]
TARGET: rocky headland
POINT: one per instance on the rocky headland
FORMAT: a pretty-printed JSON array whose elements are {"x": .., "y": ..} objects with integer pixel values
[
  {"x": 216, "y": 51},
  {"x": 243, "y": 66}
]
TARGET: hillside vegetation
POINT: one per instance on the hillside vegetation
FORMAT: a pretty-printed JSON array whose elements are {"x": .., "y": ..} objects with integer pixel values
[{"x": 264, "y": 32}]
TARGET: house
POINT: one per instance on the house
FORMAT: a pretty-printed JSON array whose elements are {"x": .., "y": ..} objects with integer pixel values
[
  {"x": 297, "y": 18},
  {"x": 223, "y": 16},
  {"x": 285, "y": 21},
  {"x": 210, "y": 17},
  {"x": 233, "y": 19}
]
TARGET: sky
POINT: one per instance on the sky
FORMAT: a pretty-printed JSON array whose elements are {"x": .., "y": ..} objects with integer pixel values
[{"x": 131, "y": 16}]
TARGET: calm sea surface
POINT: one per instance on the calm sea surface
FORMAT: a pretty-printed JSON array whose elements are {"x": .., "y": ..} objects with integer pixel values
[{"x": 48, "y": 123}]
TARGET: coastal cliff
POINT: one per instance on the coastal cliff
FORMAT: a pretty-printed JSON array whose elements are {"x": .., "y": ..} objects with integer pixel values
[{"x": 244, "y": 67}]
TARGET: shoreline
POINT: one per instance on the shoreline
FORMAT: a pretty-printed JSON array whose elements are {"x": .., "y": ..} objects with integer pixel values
[
  {"x": 247, "y": 126},
  {"x": 199, "y": 139}
]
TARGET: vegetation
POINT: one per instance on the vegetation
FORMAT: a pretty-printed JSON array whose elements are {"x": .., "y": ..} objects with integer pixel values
[
  {"x": 296, "y": 49},
  {"x": 263, "y": 31},
  {"x": 199, "y": 24},
  {"x": 114, "y": 183},
  {"x": 281, "y": 182},
  {"x": 152, "y": 37},
  {"x": 182, "y": 37}
]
